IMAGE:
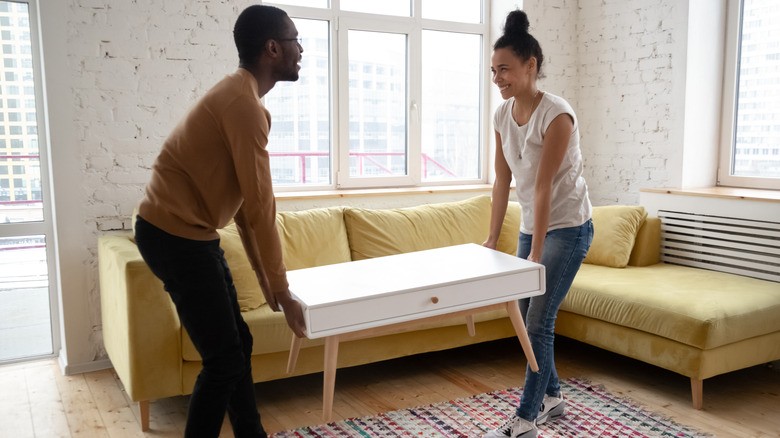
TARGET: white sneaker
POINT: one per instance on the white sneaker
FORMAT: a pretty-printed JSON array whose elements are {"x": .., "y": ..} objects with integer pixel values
[
  {"x": 514, "y": 427},
  {"x": 552, "y": 408}
]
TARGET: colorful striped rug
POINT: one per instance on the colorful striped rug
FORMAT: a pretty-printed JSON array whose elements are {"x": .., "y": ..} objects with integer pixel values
[{"x": 590, "y": 412}]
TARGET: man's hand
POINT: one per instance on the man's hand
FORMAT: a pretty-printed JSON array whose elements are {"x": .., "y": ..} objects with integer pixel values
[{"x": 292, "y": 312}]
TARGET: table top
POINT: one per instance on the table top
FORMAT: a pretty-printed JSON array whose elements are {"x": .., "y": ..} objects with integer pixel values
[{"x": 402, "y": 273}]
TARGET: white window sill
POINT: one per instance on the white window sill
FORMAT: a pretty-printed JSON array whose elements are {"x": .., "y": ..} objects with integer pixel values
[{"x": 722, "y": 192}]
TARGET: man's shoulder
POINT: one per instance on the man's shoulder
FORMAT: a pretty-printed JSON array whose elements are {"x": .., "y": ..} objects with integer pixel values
[{"x": 234, "y": 94}]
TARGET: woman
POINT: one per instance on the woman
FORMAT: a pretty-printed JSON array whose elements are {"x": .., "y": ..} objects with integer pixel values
[{"x": 537, "y": 141}]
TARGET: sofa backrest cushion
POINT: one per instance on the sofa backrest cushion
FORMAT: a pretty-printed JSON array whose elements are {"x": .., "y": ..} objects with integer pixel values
[
  {"x": 377, "y": 233},
  {"x": 647, "y": 245},
  {"x": 309, "y": 238},
  {"x": 510, "y": 229},
  {"x": 614, "y": 231},
  {"x": 315, "y": 237}
]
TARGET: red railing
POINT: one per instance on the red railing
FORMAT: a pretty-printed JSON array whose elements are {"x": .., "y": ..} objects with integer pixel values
[{"x": 362, "y": 158}]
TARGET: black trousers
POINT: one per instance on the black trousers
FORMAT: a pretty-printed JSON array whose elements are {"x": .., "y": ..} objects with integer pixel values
[{"x": 197, "y": 278}]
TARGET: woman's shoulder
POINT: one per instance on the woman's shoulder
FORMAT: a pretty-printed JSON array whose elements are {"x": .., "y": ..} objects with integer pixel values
[
  {"x": 554, "y": 101},
  {"x": 552, "y": 106},
  {"x": 504, "y": 110}
]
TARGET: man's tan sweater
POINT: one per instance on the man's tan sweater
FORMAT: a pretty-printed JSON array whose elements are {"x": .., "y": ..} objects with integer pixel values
[{"x": 214, "y": 167}]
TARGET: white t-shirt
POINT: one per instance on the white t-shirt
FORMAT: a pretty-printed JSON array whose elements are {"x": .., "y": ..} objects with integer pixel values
[{"x": 522, "y": 146}]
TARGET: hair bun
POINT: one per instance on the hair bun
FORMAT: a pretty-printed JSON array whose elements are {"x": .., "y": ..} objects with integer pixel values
[{"x": 516, "y": 23}]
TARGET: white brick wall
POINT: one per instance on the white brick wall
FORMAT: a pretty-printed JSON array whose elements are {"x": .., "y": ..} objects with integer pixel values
[
  {"x": 626, "y": 100},
  {"x": 615, "y": 68},
  {"x": 136, "y": 70},
  {"x": 136, "y": 66}
]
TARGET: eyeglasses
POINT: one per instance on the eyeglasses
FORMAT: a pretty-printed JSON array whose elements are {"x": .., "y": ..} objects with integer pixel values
[{"x": 299, "y": 40}]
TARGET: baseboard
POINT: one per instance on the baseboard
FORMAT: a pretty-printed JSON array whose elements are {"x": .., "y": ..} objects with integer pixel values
[{"x": 73, "y": 369}]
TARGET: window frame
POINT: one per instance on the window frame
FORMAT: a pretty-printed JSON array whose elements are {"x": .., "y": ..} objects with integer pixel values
[
  {"x": 45, "y": 227},
  {"x": 340, "y": 23},
  {"x": 729, "y": 106}
]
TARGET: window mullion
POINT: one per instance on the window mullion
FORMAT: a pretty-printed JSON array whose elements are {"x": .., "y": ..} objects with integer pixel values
[
  {"x": 414, "y": 111},
  {"x": 341, "y": 118}
]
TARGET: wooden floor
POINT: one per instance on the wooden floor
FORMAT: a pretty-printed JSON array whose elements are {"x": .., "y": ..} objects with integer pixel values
[{"x": 37, "y": 401}]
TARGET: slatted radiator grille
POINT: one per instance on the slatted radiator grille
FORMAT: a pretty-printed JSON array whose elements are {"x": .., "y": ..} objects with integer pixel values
[{"x": 738, "y": 246}]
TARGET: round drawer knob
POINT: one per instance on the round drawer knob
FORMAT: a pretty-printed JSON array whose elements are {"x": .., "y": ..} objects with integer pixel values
[{"x": 434, "y": 300}]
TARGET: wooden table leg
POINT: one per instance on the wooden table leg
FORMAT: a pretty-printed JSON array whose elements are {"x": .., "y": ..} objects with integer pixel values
[
  {"x": 513, "y": 308},
  {"x": 470, "y": 325},
  {"x": 295, "y": 347},
  {"x": 329, "y": 385}
]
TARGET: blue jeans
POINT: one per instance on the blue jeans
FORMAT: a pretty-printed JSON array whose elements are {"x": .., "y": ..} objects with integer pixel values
[
  {"x": 564, "y": 250},
  {"x": 197, "y": 278}
]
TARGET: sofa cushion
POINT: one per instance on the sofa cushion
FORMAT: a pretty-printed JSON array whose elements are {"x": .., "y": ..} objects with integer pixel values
[
  {"x": 510, "y": 229},
  {"x": 614, "y": 229},
  {"x": 697, "y": 307},
  {"x": 315, "y": 237},
  {"x": 309, "y": 238},
  {"x": 247, "y": 288},
  {"x": 647, "y": 245},
  {"x": 377, "y": 233}
]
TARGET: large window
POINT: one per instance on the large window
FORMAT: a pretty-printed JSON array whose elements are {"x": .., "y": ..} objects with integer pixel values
[
  {"x": 750, "y": 150},
  {"x": 390, "y": 93},
  {"x": 27, "y": 307}
]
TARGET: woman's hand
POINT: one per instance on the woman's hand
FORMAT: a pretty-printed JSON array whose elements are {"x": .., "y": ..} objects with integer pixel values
[{"x": 490, "y": 243}]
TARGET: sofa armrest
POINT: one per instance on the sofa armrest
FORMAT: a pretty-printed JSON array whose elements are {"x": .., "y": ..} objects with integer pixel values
[
  {"x": 141, "y": 330},
  {"x": 647, "y": 245}
]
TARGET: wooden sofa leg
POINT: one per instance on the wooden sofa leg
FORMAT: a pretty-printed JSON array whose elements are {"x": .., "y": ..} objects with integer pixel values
[
  {"x": 697, "y": 391},
  {"x": 144, "y": 407}
]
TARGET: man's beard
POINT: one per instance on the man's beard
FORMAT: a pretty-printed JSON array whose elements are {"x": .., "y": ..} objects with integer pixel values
[{"x": 291, "y": 74}]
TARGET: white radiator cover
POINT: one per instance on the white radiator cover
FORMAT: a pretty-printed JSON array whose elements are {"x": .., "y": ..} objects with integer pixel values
[{"x": 735, "y": 245}]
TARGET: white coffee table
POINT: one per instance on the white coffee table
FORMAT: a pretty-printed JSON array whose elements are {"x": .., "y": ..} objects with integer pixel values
[{"x": 372, "y": 297}]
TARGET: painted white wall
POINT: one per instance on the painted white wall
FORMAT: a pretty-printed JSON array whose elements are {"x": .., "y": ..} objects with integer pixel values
[
  {"x": 498, "y": 12},
  {"x": 121, "y": 73},
  {"x": 75, "y": 261},
  {"x": 706, "y": 45}
]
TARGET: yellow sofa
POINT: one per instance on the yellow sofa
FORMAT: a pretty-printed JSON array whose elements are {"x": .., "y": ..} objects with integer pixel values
[
  {"x": 694, "y": 322},
  {"x": 154, "y": 357}
]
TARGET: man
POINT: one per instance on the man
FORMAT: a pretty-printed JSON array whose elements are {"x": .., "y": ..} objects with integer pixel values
[{"x": 214, "y": 167}]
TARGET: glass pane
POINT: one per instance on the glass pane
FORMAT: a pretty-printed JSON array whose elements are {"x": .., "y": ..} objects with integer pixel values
[
  {"x": 757, "y": 136},
  {"x": 25, "y": 323},
  {"x": 20, "y": 170},
  {"x": 401, "y": 8},
  {"x": 451, "y": 143},
  {"x": 466, "y": 11},
  {"x": 377, "y": 104},
  {"x": 309, "y": 3},
  {"x": 299, "y": 142}
]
